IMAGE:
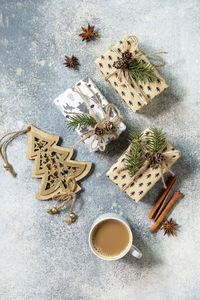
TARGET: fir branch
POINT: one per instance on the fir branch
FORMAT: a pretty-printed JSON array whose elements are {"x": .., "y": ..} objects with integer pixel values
[
  {"x": 153, "y": 142},
  {"x": 80, "y": 121},
  {"x": 134, "y": 158},
  {"x": 141, "y": 70},
  {"x": 156, "y": 140}
]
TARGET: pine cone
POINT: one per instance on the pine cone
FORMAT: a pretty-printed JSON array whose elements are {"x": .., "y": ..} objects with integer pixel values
[
  {"x": 148, "y": 156},
  {"x": 126, "y": 55},
  {"x": 109, "y": 126},
  {"x": 159, "y": 157},
  {"x": 118, "y": 64},
  {"x": 99, "y": 131}
]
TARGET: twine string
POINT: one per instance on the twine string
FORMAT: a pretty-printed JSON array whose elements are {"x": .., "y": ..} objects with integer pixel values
[
  {"x": 123, "y": 75},
  {"x": 163, "y": 165},
  {"x": 98, "y": 102},
  {"x": 13, "y": 135},
  {"x": 71, "y": 182},
  {"x": 66, "y": 198},
  {"x": 85, "y": 98},
  {"x": 98, "y": 141}
]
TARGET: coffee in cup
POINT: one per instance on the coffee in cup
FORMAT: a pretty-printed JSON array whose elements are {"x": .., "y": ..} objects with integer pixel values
[{"x": 110, "y": 238}]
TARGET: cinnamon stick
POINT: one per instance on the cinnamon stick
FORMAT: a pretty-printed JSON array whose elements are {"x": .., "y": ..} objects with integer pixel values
[
  {"x": 165, "y": 212},
  {"x": 162, "y": 199}
]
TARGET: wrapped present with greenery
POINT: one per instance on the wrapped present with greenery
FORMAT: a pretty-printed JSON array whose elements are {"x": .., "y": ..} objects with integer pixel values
[
  {"x": 131, "y": 74},
  {"x": 88, "y": 112},
  {"x": 147, "y": 158}
]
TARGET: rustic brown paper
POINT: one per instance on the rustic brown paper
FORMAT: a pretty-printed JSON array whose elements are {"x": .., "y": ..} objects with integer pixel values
[
  {"x": 143, "y": 184},
  {"x": 132, "y": 96}
]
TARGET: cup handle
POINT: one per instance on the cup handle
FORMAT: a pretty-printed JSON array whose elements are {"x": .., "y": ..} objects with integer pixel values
[{"x": 136, "y": 252}]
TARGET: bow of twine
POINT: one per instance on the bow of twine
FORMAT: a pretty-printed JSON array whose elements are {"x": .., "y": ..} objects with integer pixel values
[
  {"x": 131, "y": 51},
  {"x": 66, "y": 198},
  {"x": 106, "y": 125},
  {"x": 162, "y": 159}
]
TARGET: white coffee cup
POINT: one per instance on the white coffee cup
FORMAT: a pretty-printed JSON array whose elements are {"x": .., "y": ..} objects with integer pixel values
[{"x": 130, "y": 247}]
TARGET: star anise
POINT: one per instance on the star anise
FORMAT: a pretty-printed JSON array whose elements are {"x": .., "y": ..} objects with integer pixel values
[
  {"x": 72, "y": 62},
  {"x": 169, "y": 227},
  {"x": 88, "y": 33}
]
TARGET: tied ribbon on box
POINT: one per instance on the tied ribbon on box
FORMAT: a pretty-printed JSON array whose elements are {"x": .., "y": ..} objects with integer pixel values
[
  {"x": 148, "y": 158},
  {"x": 106, "y": 125},
  {"x": 131, "y": 53}
]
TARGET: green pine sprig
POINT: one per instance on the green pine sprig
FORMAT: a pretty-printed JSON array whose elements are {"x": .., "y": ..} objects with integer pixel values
[
  {"x": 156, "y": 140},
  {"x": 80, "y": 121},
  {"x": 134, "y": 158},
  {"x": 141, "y": 70},
  {"x": 139, "y": 145}
]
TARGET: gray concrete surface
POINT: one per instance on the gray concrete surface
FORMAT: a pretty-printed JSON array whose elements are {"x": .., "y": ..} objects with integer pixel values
[{"x": 42, "y": 258}]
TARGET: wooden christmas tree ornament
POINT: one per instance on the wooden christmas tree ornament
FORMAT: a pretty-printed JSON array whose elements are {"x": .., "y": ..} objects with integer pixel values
[{"x": 53, "y": 165}]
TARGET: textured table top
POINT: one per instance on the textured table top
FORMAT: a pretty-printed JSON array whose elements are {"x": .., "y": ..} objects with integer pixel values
[{"x": 42, "y": 258}]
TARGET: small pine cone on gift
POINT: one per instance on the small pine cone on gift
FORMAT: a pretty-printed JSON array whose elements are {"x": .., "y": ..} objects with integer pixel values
[
  {"x": 159, "y": 157},
  {"x": 126, "y": 55},
  {"x": 148, "y": 156},
  {"x": 99, "y": 131},
  {"x": 118, "y": 64},
  {"x": 109, "y": 126}
]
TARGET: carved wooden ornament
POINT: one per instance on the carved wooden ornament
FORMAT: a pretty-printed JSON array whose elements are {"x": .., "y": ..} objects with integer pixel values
[{"x": 53, "y": 164}]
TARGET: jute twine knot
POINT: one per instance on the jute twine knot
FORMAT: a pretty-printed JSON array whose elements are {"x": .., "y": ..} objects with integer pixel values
[
  {"x": 103, "y": 126},
  {"x": 12, "y": 134},
  {"x": 66, "y": 198},
  {"x": 161, "y": 160},
  {"x": 129, "y": 51}
]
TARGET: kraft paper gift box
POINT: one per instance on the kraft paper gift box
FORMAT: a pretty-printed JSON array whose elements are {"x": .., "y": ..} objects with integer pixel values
[
  {"x": 71, "y": 101},
  {"x": 140, "y": 187},
  {"x": 135, "y": 95}
]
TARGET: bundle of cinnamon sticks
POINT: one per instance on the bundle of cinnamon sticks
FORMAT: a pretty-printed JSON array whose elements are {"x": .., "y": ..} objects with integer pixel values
[{"x": 162, "y": 208}]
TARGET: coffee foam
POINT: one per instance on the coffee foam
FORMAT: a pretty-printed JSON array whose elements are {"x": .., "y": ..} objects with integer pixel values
[
  {"x": 104, "y": 254},
  {"x": 98, "y": 250}
]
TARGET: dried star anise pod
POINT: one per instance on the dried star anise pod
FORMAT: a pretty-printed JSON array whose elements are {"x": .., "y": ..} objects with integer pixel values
[
  {"x": 99, "y": 131},
  {"x": 88, "y": 33},
  {"x": 169, "y": 227},
  {"x": 126, "y": 55},
  {"x": 71, "y": 62},
  {"x": 109, "y": 126}
]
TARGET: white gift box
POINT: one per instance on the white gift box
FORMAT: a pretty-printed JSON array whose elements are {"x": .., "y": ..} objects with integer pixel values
[{"x": 71, "y": 101}]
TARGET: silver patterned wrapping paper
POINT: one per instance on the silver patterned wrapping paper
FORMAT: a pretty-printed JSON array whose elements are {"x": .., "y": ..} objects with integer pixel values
[{"x": 72, "y": 102}]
